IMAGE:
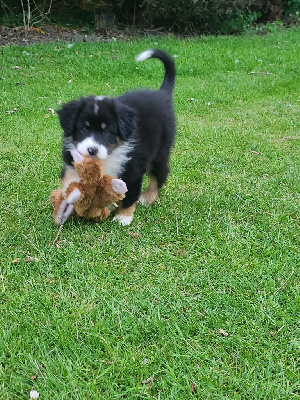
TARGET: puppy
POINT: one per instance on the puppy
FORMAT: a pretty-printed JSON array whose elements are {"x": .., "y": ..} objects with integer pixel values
[{"x": 133, "y": 134}]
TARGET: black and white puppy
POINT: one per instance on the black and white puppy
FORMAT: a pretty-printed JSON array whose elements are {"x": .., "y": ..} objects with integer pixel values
[{"x": 133, "y": 134}]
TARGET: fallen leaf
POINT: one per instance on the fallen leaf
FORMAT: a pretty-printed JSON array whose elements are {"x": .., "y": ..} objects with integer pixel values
[
  {"x": 34, "y": 394},
  {"x": 16, "y": 67},
  {"x": 291, "y": 138},
  {"x": 16, "y": 261},
  {"x": 224, "y": 333},
  {"x": 134, "y": 234},
  {"x": 52, "y": 111},
  {"x": 107, "y": 362},
  {"x": 192, "y": 387},
  {"x": 148, "y": 380},
  {"x": 255, "y": 152},
  {"x": 29, "y": 259},
  {"x": 263, "y": 73},
  {"x": 12, "y": 111},
  {"x": 33, "y": 377},
  {"x": 35, "y": 29}
]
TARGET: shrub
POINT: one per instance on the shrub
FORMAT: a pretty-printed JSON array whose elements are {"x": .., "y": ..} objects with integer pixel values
[
  {"x": 184, "y": 16},
  {"x": 292, "y": 7},
  {"x": 201, "y": 16},
  {"x": 214, "y": 16}
]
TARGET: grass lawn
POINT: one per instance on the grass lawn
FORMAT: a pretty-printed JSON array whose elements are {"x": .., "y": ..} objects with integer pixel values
[{"x": 199, "y": 297}]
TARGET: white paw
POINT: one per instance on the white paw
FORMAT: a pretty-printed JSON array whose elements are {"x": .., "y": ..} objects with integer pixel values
[
  {"x": 74, "y": 196},
  {"x": 119, "y": 186},
  {"x": 143, "y": 201},
  {"x": 123, "y": 219}
]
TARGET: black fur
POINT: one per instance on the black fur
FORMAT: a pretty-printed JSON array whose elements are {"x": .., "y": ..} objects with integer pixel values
[{"x": 144, "y": 118}]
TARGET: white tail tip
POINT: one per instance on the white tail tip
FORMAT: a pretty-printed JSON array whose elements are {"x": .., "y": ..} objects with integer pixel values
[{"x": 144, "y": 55}]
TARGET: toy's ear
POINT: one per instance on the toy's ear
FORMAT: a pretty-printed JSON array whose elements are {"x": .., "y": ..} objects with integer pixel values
[
  {"x": 68, "y": 115},
  {"x": 77, "y": 157},
  {"x": 127, "y": 120}
]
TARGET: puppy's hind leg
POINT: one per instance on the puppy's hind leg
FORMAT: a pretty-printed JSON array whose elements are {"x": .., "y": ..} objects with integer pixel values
[
  {"x": 157, "y": 177},
  {"x": 151, "y": 194}
]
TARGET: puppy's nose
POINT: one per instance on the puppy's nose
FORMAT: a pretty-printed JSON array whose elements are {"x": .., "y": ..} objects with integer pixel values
[{"x": 92, "y": 151}]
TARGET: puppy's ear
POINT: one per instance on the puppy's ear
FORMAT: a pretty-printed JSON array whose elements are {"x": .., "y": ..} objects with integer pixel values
[
  {"x": 68, "y": 116},
  {"x": 127, "y": 120}
]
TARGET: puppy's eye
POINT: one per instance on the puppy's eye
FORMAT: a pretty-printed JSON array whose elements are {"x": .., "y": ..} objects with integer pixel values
[
  {"x": 86, "y": 123},
  {"x": 103, "y": 125}
]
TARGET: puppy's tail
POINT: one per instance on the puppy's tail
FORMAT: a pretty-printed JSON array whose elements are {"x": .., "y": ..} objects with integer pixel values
[{"x": 170, "y": 71}]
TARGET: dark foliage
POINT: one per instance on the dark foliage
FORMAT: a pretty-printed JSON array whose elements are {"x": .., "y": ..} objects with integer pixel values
[{"x": 184, "y": 16}]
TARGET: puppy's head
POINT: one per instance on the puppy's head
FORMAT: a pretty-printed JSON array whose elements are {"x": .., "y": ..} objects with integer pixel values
[{"x": 96, "y": 125}]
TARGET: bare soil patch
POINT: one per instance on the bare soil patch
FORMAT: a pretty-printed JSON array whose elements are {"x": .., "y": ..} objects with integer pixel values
[{"x": 18, "y": 36}]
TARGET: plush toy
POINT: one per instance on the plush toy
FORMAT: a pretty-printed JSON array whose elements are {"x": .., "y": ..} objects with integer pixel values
[{"x": 90, "y": 196}]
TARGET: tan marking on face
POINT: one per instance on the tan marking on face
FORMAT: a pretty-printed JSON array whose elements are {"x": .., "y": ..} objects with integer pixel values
[
  {"x": 103, "y": 125},
  {"x": 86, "y": 123}
]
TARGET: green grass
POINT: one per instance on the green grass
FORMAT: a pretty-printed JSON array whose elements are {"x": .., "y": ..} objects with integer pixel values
[{"x": 106, "y": 307}]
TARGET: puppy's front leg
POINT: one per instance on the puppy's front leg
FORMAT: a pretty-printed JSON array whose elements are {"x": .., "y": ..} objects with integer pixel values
[
  {"x": 125, "y": 215},
  {"x": 69, "y": 175},
  {"x": 127, "y": 208}
]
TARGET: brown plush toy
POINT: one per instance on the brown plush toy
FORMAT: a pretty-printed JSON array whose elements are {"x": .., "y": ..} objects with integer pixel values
[{"x": 90, "y": 196}]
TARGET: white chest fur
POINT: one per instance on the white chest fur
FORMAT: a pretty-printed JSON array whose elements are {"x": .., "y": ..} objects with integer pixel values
[{"x": 115, "y": 162}]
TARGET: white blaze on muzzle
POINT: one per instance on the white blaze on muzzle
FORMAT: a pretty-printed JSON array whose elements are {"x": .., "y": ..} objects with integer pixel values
[{"x": 89, "y": 147}]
